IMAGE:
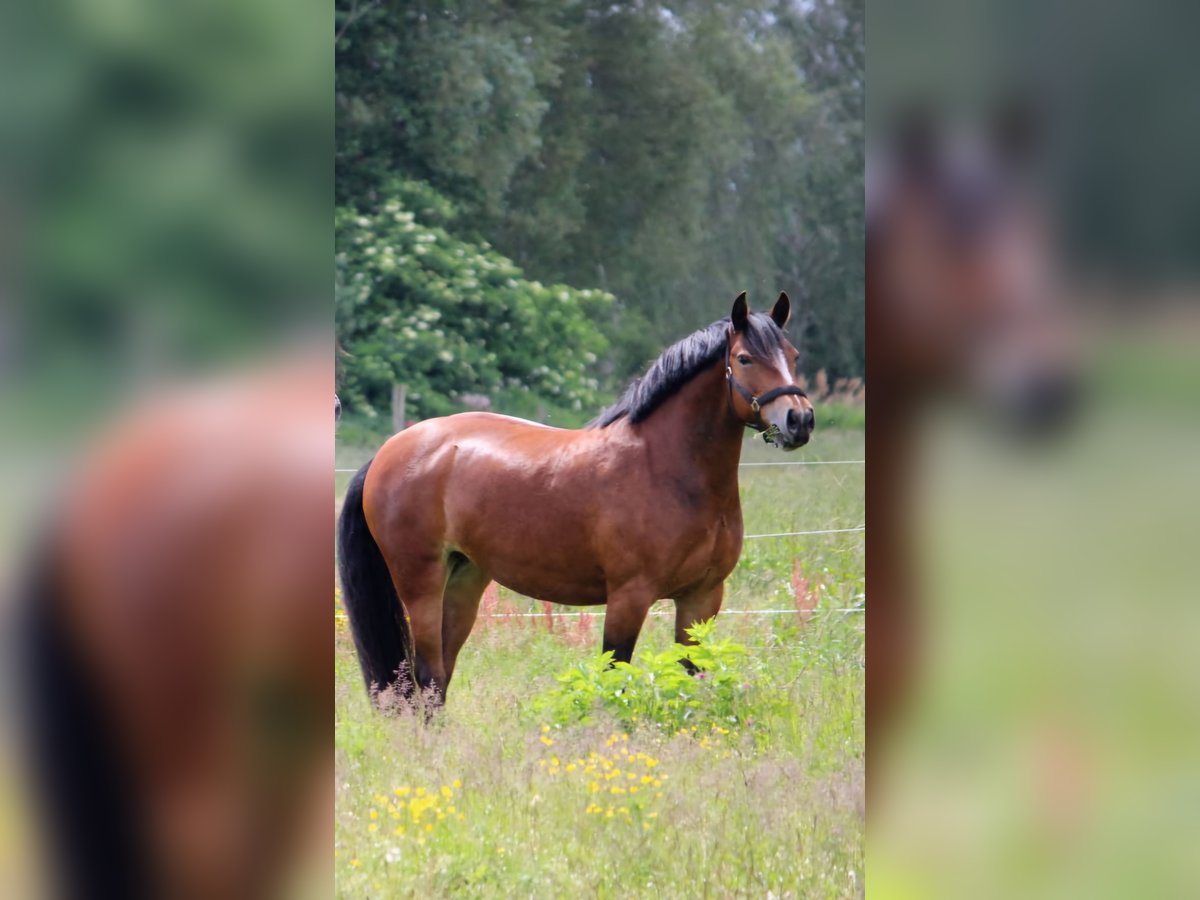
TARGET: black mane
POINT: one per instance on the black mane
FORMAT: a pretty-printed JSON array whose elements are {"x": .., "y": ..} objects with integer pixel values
[{"x": 682, "y": 361}]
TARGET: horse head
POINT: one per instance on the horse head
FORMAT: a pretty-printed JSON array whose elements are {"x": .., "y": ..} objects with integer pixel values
[
  {"x": 760, "y": 368},
  {"x": 961, "y": 284}
]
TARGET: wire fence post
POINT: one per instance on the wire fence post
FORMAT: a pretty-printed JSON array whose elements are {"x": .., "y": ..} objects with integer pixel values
[{"x": 399, "y": 402}]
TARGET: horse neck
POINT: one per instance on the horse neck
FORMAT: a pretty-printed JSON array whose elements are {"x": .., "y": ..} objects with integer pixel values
[{"x": 698, "y": 424}]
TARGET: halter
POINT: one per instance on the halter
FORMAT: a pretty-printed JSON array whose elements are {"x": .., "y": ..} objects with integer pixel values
[{"x": 756, "y": 402}]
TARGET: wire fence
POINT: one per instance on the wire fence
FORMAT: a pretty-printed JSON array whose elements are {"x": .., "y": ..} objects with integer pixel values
[
  {"x": 751, "y": 465},
  {"x": 777, "y": 534},
  {"x": 856, "y": 529},
  {"x": 844, "y": 610},
  {"x": 848, "y": 610}
]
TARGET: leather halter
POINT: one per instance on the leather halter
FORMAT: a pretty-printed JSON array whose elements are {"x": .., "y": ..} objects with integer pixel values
[{"x": 757, "y": 402}]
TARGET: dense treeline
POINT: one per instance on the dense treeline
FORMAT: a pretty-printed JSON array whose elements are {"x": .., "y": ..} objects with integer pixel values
[{"x": 666, "y": 154}]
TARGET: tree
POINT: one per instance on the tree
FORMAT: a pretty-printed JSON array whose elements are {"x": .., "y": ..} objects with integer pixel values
[
  {"x": 417, "y": 305},
  {"x": 671, "y": 153}
]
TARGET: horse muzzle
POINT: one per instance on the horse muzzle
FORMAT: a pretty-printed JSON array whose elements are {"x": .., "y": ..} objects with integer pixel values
[{"x": 797, "y": 428}]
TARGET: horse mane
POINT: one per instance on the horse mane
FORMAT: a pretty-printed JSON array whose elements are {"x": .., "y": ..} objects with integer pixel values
[{"x": 681, "y": 362}]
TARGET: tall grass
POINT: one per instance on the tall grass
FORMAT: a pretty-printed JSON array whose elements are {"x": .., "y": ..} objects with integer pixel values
[{"x": 514, "y": 805}]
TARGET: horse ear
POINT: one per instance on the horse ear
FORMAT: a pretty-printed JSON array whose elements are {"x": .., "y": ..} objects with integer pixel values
[
  {"x": 782, "y": 310},
  {"x": 741, "y": 313}
]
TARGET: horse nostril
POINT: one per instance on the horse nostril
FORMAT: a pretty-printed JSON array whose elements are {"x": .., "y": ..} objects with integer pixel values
[
  {"x": 793, "y": 421},
  {"x": 809, "y": 419}
]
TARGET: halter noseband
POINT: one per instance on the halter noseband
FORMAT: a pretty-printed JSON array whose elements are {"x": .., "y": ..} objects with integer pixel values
[{"x": 759, "y": 401}]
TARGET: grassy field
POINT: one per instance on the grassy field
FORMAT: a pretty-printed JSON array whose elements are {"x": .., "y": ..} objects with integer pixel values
[{"x": 494, "y": 800}]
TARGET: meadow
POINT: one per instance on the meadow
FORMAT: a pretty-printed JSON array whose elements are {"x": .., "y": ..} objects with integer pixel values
[{"x": 501, "y": 797}]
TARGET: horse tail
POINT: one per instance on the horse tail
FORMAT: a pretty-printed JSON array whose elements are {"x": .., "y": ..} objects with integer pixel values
[
  {"x": 381, "y": 633},
  {"x": 83, "y": 784}
]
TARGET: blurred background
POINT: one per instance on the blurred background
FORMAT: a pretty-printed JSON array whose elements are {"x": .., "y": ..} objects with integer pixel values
[
  {"x": 165, "y": 188},
  {"x": 1032, "y": 288}
]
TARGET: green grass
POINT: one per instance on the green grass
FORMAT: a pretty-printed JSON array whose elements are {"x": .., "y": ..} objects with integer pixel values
[{"x": 779, "y": 810}]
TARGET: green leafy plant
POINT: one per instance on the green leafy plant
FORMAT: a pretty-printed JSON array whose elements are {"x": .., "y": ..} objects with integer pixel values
[
  {"x": 419, "y": 305},
  {"x": 724, "y": 695}
]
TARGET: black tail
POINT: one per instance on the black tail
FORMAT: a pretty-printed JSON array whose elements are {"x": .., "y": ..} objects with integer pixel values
[
  {"x": 86, "y": 791},
  {"x": 377, "y": 620}
]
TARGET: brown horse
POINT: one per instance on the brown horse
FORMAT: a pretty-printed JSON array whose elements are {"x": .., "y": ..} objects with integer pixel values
[
  {"x": 961, "y": 300},
  {"x": 639, "y": 506},
  {"x": 176, "y": 673}
]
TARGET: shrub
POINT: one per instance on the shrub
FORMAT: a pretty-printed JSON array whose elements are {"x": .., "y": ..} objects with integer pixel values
[
  {"x": 724, "y": 696},
  {"x": 418, "y": 304}
]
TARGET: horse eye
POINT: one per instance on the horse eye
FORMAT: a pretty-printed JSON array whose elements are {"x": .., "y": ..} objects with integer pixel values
[{"x": 744, "y": 359}]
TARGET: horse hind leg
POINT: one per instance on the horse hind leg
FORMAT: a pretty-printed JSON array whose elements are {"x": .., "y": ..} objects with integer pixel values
[
  {"x": 420, "y": 589},
  {"x": 460, "y": 607}
]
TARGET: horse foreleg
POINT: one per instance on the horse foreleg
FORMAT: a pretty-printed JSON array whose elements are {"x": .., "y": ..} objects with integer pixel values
[
  {"x": 623, "y": 620},
  {"x": 692, "y": 608},
  {"x": 460, "y": 606}
]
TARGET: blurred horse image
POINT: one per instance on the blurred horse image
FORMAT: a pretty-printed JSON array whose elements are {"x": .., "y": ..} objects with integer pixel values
[
  {"x": 177, "y": 668},
  {"x": 961, "y": 302}
]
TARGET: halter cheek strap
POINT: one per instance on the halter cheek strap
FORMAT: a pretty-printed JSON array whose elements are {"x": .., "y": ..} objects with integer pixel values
[{"x": 757, "y": 402}]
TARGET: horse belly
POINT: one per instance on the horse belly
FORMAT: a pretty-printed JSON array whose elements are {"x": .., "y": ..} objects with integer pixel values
[
  {"x": 545, "y": 575},
  {"x": 539, "y": 549},
  {"x": 579, "y": 592}
]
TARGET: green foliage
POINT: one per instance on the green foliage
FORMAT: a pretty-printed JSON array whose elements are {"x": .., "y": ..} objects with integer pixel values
[
  {"x": 670, "y": 154},
  {"x": 418, "y": 305},
  {"x": 660, "y": 692},
  {"x": 791, "y": 779},
  {"x": 170, "y": 171}
]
